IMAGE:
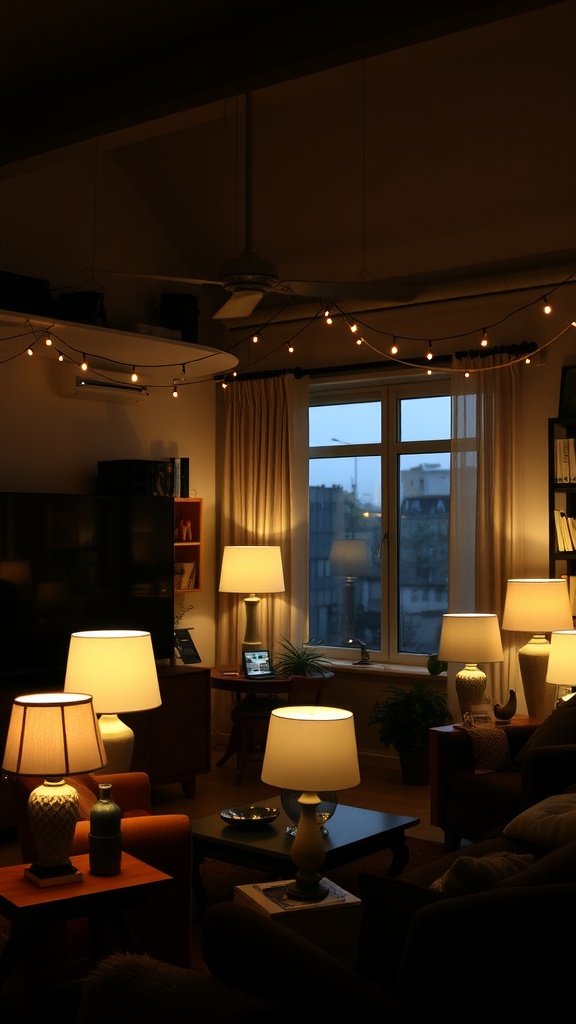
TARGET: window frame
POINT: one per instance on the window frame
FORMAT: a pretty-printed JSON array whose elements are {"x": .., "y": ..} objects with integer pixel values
[{"x": 389, "y": 392}]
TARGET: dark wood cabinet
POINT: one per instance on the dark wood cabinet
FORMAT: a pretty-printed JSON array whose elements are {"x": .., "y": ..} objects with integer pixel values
[{"x": 172, "y": 742}]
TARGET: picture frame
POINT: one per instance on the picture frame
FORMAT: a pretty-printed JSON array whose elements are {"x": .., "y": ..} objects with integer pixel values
[{"x": 567, "y": 402}]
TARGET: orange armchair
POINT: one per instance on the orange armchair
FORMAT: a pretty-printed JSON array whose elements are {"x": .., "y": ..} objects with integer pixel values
[{"x": 162, "y": 927}]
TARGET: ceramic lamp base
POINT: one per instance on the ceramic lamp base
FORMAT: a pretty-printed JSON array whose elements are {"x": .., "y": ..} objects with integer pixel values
[{"x": 470, "y": 687}]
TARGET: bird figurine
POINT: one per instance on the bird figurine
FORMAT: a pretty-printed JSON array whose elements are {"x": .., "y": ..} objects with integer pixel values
[{"x": 504, "y": 712}]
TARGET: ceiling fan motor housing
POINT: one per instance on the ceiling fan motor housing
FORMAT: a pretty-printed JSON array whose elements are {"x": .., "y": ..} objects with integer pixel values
[{"x": 249, "y": 272}]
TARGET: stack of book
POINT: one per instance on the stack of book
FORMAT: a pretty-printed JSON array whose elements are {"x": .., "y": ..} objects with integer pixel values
[
  {"x": 565, "y": 531},
  {"x": 565, "y": 460}
]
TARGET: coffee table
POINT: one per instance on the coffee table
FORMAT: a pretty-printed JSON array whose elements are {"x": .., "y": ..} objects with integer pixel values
[{"x": 353, "y": 832}]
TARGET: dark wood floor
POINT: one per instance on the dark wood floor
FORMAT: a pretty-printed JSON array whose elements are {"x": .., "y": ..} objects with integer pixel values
[{"x": 379, "y": 789}]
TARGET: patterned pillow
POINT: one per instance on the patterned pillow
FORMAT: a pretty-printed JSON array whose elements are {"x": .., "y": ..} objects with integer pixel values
[
  {"x": 472, "y": 874},
  {"x": 559, "y": 727},
  {"x": 491, "y": 750}
]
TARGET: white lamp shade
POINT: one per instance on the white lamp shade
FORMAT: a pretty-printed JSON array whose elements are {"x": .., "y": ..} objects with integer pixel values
[
  {"x": 470, "y": 638},
  {"x": 117, "y": 667},
  {"x": 561, "y": 670},
  {"x": 537, "y": 606},
  {"x": 53, "y": 734},
  {"x": 349, "y": 558},
  {"x": 252, "y": 569},
  {"x": 311, "y": 749}
]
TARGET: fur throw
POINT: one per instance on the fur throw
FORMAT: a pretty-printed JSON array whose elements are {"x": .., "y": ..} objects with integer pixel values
[{"x": 472, "y": 874}]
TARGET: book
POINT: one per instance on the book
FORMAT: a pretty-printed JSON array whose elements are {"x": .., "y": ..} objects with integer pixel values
[
  {"x": 571, "y": 460},
  {"x": 560, "y": 540}
]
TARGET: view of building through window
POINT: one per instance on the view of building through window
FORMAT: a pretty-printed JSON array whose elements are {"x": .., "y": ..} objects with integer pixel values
[{"x": 378, "y": 572}]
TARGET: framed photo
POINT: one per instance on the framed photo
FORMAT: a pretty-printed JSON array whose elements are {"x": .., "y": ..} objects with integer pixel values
[
  {"x": 567, "y": 403},
  {"x": 480, "y": 716}
]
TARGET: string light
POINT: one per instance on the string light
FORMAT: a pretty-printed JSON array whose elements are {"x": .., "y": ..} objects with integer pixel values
[
  {"x": 60, "y": 357},
  {"x": 291, "y": 348},
  {"x": 359, "y": 340},
  {"x": 484, "y": 341},
  {"x": 48, "y": 340},
  {"x": 394, "y": 348},
  {"x": 84, "y": 364},
  {"x": 30, "y": 351},
  {"x": 255, "y": 339},
  {"x": 547, "y": 306},
  {"x": 327, "y": 317},
  {"x": 134, "y": 376},
  {"x": 175, "y": 390},
  {"x": 429, "y": 354}
]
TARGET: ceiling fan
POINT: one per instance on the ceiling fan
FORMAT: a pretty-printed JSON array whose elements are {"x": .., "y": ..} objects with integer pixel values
[{"x": 248, "y": 277}]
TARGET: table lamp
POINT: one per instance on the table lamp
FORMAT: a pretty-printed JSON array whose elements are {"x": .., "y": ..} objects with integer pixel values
[
  {"x": 536, "y": 606},
  {"x": 117, "y": 667},
  {"x": 311, "y": 749},
  {"x": 470, "y": 637},
  {"x": 53, "y": 735},
  {"x": 561, "y": 668},
  {"x": 252, "y": 569}
]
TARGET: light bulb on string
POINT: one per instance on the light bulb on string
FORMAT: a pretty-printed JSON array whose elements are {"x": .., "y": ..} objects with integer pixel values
[
  {"x": 175, "y": 390},
  {"x": 547, "y": 306},
  {"x": 84, "y": 364},
  {"x": 30, "y": 351},
  {"x": 353, "y": 328},
  {"x": 359, "y": 340},
  {"x": 60, "y": 357},
  {"x": 394, "y": 349},
  {"x": 255, "y": 339},
  {"x": 429, "y": 354},
  {"x": 327, "y": 317},
  {"x": 484, "y": 341},
  {"x": 134, "y": 376},
  {"x": 48, "y": 340},
  {"x": 290, "y": 348}
]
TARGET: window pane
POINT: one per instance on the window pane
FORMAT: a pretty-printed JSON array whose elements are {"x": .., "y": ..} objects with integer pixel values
[
  {"x": 348, "y": 423},
  {"x": 425, "y": 419},
  {"x": 423, "y": 534},
  {"x": 345, "y": 533}
]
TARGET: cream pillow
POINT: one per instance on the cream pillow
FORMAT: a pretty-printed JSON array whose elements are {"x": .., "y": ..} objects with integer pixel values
[
  {"x": 472, "y": 874},
  {"x": 551, "y": 823}
]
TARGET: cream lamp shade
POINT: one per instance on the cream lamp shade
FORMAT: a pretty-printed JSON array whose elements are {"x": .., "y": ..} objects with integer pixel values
[
  {"x": 470, "y": 638},
  {"x": 310, "y": 749},
  {"x": 537, "y": 606},
  {"x": 53, "y": 735},
  {"x": 561, "y": 668},
  {"x": 252, "y": 569},
  {"x": 117, "y": 667}
]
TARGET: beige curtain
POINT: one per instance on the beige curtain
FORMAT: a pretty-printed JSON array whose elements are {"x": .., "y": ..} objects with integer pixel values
[
  {"x": 486, "y": 513},
  {"x": 264, "y": 489}
]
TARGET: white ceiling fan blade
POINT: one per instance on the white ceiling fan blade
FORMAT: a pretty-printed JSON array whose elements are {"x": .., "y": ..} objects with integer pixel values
[
  {"x": 156, "y": 277},
  {"x": 341, "y": 290},
  {"x": 241, "y": 303}
]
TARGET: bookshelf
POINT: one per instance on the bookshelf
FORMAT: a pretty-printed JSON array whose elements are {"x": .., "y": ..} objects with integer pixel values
[
  {"x": 187, "y": 545},
  {"x": 562, "y": 502}
]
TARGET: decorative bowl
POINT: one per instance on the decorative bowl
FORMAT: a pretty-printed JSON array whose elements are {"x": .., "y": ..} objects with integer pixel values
[{"x": 250, "y": 816}]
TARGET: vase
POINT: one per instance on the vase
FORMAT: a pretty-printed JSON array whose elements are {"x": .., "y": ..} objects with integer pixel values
[
  {"x": 105, "y": 836},
  {"x": 415, "y": 765},
  {"x": 324, "y": 811}
]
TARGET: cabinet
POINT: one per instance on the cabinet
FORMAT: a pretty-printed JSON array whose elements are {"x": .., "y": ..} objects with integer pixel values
[
  {"x": 562, "y": 502},
  {"x": 187, "y": 545}
]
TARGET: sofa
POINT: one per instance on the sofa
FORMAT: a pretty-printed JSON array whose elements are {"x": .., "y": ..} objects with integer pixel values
[
  {"x": 474, "y": 933},
  {"x": 163, "y": 925},
  {"x": 481, "y": 778}
]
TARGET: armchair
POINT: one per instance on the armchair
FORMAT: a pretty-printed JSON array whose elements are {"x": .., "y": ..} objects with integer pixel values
[
  {"x": 468, "y": 804},
  {"x": 163, "y": 927}
]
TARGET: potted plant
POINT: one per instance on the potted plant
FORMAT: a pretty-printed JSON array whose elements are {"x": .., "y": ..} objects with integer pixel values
[
  {"x": 300, "y": 661},
  {"x": 404, "y": 719}
]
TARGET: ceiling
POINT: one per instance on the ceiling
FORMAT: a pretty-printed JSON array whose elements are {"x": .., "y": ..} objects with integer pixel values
[{"x": 379, "y": 153}]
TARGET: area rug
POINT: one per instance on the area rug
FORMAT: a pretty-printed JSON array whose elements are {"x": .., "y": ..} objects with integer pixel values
[{"x": 220, "y": 878}]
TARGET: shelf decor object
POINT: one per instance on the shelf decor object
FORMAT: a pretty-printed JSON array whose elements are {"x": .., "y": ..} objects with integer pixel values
[
  {"x": 561, "y": 669},
  {"x": 252, "y": 569},
  {"x": 53, "y": 735},
  {"x": 117, "y": 667},
  {"x": 536, "y": 606},
  {"x": 470, "y": 638},
  {"x": 311, "y": 749}
]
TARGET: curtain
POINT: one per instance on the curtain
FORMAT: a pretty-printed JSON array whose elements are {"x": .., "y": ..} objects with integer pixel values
[
  {"x": 264, "y": 501},
  {"x": 486, "y": 511}
]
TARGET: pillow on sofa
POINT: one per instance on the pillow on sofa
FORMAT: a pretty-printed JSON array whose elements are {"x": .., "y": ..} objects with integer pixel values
[
  {"x": 559, "y": 727},
  {"x": 472, "y": 874},
  {"x": 491, "y": 750},
  {"x": 551, "y": 823}
]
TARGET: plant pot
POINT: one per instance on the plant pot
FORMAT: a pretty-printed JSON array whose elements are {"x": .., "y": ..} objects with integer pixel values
[{"x": 415, "y": 765}]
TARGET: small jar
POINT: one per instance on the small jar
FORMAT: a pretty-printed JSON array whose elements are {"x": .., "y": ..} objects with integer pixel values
[{"x": 105, "y": 836}]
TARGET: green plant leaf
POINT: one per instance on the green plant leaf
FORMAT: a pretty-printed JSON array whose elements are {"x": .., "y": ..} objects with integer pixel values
[{"x": 406, "y": 716}]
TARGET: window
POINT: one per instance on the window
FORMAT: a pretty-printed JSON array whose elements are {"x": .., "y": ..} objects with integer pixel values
[{"x": 379, "y": 479}]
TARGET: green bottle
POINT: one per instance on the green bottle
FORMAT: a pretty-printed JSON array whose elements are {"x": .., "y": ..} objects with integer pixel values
[{"x": 105, "y": 837}]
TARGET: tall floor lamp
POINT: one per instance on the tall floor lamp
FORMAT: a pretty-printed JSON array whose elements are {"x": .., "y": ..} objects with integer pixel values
[
  {"x": 536, "y": 606},
  {"x": 252, "y": 569}
]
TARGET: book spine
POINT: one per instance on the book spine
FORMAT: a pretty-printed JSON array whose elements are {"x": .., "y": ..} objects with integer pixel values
[{"x": 184, "y": 478}]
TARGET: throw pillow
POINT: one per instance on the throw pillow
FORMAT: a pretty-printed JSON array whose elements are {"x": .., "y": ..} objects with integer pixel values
[
  {"x": 388, "y": 906},
  {"x": 559, "y": 727},
  {"x": 491, "y": 750},
  {"x": 472, "y": 874},
  {"x": 551, "y": 823}
]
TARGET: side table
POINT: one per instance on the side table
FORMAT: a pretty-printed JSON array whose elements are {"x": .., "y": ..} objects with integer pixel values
[{"x": 34, "y": 912}]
